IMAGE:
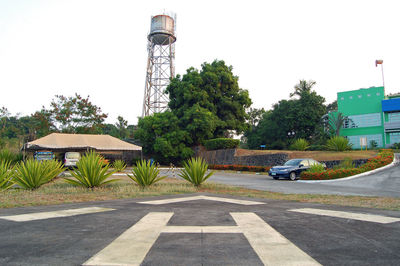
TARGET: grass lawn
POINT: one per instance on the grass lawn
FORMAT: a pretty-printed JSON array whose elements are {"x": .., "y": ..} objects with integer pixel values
[{"x": 59, "y": 192}]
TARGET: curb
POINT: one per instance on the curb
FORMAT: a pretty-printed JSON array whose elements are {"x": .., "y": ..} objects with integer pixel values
[{"x": 395, "y": 161}]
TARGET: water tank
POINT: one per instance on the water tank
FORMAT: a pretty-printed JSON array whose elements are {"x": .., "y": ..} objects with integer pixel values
[{"x": 162, "y": 30}]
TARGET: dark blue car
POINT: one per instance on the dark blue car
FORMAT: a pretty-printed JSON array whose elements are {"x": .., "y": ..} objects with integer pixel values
[{"x": 292, "y": 168}]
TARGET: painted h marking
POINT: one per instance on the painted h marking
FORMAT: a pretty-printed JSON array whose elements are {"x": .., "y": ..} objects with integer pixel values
[{"x": 132, "y": 246}]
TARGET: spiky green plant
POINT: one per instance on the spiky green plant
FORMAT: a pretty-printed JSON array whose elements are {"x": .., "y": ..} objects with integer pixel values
[
  {"x": 7, "y": 156},
  {"x": 300, "y": 145},
  {"x": 338, "y": 144},
  {"x": 194, "y": 170},
  {"x": 91, "y": 172},
  {"x": 6, "y": 173},
  {"x": 31, "y": 174},
  {"x": 145, "y": 173},
  {"x": 119, "y": 165}
]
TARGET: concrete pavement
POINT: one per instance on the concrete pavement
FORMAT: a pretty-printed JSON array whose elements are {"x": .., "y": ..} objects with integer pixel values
[{"x": 200, "y": 229}]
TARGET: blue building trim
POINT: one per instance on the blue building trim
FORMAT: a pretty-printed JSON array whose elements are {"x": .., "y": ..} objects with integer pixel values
[{"x": 391, "y": 105}]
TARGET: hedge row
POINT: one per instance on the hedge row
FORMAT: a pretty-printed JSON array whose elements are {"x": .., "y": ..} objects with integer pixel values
[
  {"x": 236, "y": 167},
  {"x": 385, "y": 157},
  {"x": 221, "y": 143}
]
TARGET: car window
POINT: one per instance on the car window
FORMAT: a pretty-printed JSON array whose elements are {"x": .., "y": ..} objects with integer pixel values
[
  {"x": 313, "y": 162},
  {"x": 305, "y": 163},
  {"x": 292, "y": 162}
]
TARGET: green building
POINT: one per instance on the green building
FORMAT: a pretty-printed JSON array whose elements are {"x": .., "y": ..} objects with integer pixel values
[{"x": 373, "y": 116}]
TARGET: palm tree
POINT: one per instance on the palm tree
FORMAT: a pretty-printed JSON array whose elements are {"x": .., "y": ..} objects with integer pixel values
[
  {"x": 303, "y": 87},
  {"x": 334, "y": 122}
]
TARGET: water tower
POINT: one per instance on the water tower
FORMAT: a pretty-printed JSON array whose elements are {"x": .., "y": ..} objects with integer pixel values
[{"x": 160, "y": 63}]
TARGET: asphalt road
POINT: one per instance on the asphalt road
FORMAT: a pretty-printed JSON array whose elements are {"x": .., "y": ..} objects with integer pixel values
[
  {"x": 205, "y": 231},
  {"x": 383, "y": 183}
]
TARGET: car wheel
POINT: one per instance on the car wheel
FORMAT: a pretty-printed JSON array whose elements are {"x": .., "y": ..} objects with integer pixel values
[
  {"x": 275, "y": 177},
  {"x": 292, "y": 176}
]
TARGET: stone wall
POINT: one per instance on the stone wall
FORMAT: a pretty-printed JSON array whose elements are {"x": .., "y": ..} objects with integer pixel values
[
  {"x": 331, "y": 164},
  {"x": 228, "y": 157}
]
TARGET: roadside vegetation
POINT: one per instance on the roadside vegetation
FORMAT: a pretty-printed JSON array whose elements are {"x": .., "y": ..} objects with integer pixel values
[
  {"x": 195, "y": 171},
  {"x": 59, "y": 192},
  {"x": 145, "y": 174},
  {"x": 346, "y": 168},
  {"x": 91, "y": 171}
]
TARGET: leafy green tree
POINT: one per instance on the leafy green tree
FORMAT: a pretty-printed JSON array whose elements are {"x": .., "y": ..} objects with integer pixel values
[
  {"x": 213, "y": 88},
  {"x": 162, "y": 137},
  {"x": 76, "y": 114},
  {"x": 300, "y": 116}
]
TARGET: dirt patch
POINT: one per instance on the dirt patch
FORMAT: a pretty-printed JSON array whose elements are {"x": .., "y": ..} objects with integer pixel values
[{"x": 316, "y": 155}]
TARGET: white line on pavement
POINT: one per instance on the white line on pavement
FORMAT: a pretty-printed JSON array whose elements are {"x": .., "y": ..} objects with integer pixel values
[
  {"x": 349, "y": 215},
  {"x": 174, "y": 200},
  {"x": 53, "y": 214},
  {"x": 131, "y": 247},
  {"x": 272, "y": 247}
]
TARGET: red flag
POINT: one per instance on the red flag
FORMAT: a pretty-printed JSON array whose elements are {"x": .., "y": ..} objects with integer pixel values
[{"x": 378, "y": 62}]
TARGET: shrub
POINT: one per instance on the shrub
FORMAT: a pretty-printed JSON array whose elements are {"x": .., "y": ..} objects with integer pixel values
[
  {"x": 384, "y": 157},
  {"x": 347, "y": 163},
  {"x": 300, "y": 145},
  {"x": 221, "y": 143},
  {"x": 316, "y": 168},
  {"x": 8, "y": 156},
  {"x": 194, "y": 170},
  {"x": 6, "y": 172},
  {"x": 373, "y": 144},
  {"x": 396, "y": 146},
  {"x": 338, "y": 143},
  {"x": 317, "y": 147},
  {"x": 145, "y": 173},
  {"x": 31, "y": 174},
  {"x": 91, "y": 171},
  {"x": 119, "y": 165}
]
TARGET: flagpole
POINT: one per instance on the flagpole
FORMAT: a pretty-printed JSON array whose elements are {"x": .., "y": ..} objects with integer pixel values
[{"x": 383, "y": 79}]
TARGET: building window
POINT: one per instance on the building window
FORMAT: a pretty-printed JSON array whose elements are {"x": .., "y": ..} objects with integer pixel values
[
  {"x": 377, "y": 94},
  {"x": 367, "y": 120},
  {"x": 351, "y": 97},
  {"x": 369, "y": 95},
  {"x": 394, "y": 117},
  {"x": 394, "y": 137},
  {"x": 342, "y": 98},
  {"x": 359, "y": 96},
  {"x": 355, "y": 140}
]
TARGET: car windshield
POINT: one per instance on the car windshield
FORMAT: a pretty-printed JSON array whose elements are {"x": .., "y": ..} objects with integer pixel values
[
  {"x": 72, "y": 155},
  {"x": 292, "y": 162}
]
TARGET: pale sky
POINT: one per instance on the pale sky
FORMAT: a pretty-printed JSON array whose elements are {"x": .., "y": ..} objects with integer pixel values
[{"x": 99, "y": 48}]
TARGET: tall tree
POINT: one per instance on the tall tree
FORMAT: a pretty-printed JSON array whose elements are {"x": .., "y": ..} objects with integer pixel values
[
  {"x": 76, "y": 114},
  {"x": 298, "y": 117},
  {"x": 213, "y": 88},
  {"x": 334, "y": 121}
]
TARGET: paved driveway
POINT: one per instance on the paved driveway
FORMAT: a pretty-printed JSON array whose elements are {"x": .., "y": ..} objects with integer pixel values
[
  {"x": 199, "y": 229},
  {"x": 383, "y": 183}
]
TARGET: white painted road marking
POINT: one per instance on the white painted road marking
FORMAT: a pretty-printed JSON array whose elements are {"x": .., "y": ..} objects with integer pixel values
[
  {"x": 132, "y": 246},
  {"x": 271, "y": 247},
  {"x": 349, "y": 215},
  {"x": 174, "y": 200},
  {"x": 53, "y": 214}
]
